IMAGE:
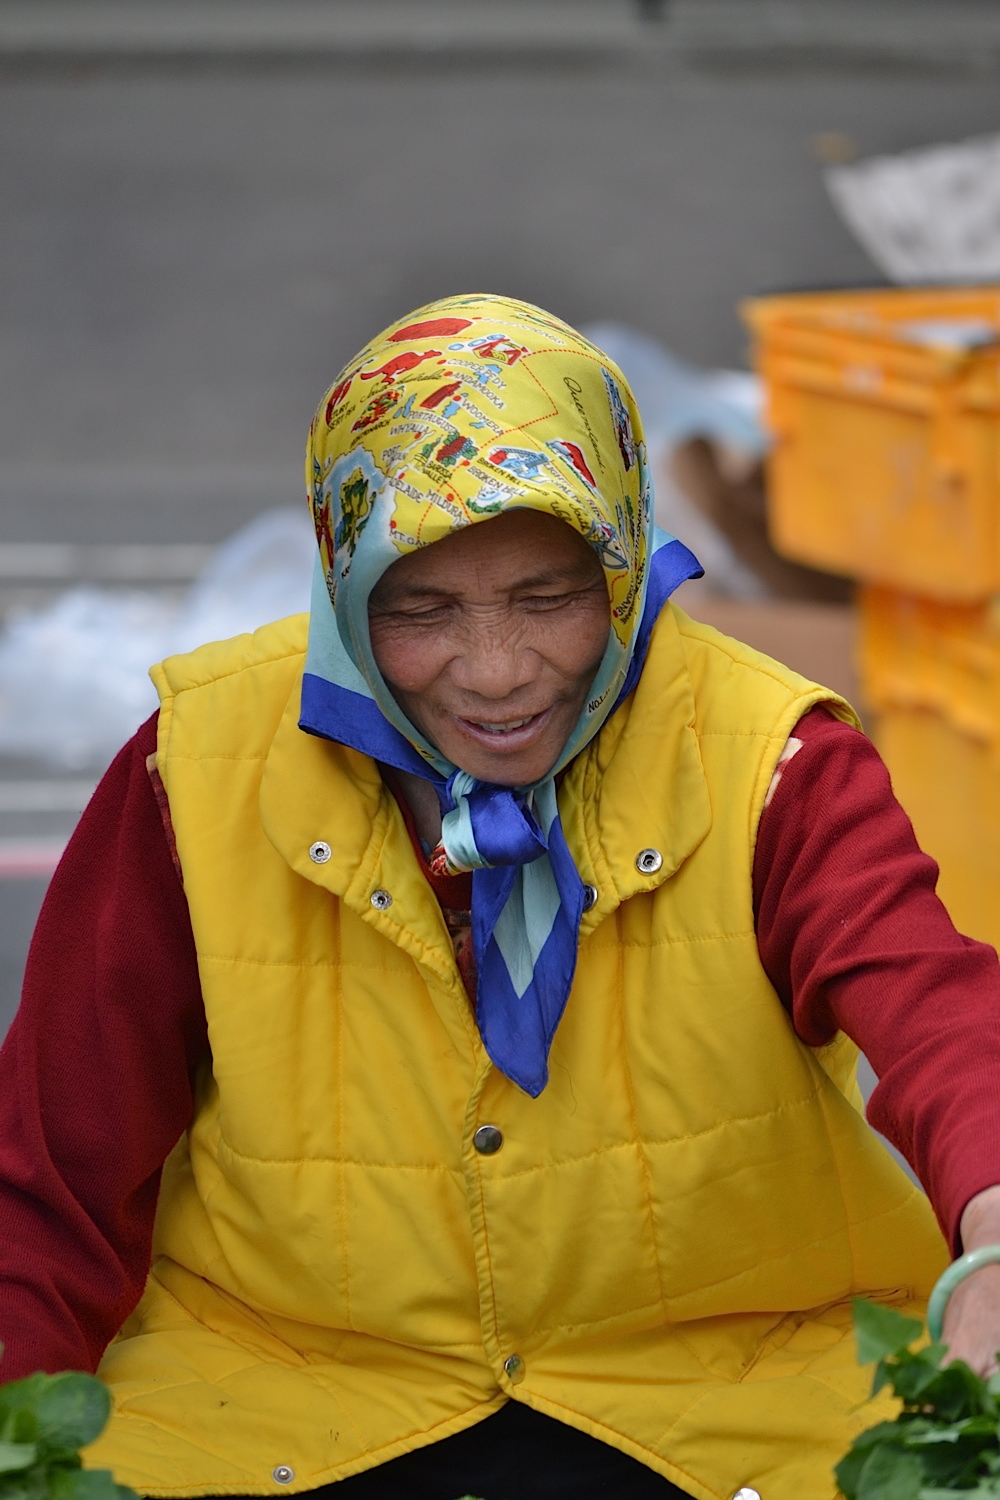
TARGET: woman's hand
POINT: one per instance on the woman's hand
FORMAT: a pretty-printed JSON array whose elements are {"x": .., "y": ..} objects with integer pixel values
[{"x": 972, "y": 1319}]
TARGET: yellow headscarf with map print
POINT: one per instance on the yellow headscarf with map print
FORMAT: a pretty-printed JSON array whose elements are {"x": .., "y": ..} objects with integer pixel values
[
  {"x": 467, "y": 408},
  {"x": 476, "y": 404}
]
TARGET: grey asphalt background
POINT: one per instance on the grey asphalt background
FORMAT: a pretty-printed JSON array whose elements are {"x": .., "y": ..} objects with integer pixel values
[
  {"x": 207, "y": 207},
  {"x": 190, "y": 250},
  {"x": 21, "y": 900}
]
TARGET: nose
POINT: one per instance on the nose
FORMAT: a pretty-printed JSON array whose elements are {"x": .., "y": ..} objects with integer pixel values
[{"x": 494, "y": 663}]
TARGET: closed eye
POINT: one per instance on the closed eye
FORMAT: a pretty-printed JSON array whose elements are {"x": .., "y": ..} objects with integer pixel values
[
  {"x": 426, "y": 612},
  {"x": 556, "y": 601}
]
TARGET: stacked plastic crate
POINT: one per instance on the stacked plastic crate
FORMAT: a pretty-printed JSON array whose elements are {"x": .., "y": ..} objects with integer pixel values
[{"x": 885, "y": 412}]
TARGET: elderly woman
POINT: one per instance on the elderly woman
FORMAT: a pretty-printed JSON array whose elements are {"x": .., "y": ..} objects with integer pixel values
[{"x": 490, "y": 949}]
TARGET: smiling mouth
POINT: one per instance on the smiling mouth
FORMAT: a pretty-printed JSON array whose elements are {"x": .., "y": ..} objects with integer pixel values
[
  {"x": 503, "y": 729},
  {"x": 506, "y": 728}
]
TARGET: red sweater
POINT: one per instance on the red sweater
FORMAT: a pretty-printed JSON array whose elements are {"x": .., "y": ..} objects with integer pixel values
[{"x": 95, "y": 1073}]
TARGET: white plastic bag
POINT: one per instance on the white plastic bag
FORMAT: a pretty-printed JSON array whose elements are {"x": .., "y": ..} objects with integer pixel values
[
  {"x": 926, "y": 215},
  {"x": 677, "y": 402},
  {"x": 74, "y": 681}
]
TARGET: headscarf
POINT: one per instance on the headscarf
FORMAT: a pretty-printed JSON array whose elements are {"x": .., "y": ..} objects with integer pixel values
[{"x": 468, "y": 408}]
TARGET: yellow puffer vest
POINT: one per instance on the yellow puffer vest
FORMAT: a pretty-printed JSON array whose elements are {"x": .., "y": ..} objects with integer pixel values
[{"x": 670, "y": 1234}]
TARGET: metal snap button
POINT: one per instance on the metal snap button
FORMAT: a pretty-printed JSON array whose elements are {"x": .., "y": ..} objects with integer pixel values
[
  {"x": 487, "y": 1140},
  {"x": 319, "y": 852},
  {"x": 648, "y": 861},
  {"x": 514, "y": 1368},
  {"x": 746, "y": 1493},
  {"x": 589, "y": 897},
  {"x": 381, "y": 900},
  {"x": 282, "y": 1474}
]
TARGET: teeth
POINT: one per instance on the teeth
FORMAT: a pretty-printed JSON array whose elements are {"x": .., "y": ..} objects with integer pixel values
[{"x": 502, "y": 728}]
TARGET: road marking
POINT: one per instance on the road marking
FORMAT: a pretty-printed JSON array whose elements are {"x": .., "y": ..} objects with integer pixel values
[
  {"x": 22, "y": 859},
  {"x": 66, "y": 562},
  {"x": 45, "y": 796}
]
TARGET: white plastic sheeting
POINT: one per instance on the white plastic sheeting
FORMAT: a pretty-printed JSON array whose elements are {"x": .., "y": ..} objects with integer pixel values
[
  {"x": 679, "y": 401},
  {"x": 926, "y": 215},
  {"x": 74, "y": 675}
]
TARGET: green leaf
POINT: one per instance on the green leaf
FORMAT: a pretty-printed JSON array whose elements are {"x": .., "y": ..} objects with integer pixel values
[
  {"x": 984, "y": 1426},
  {"x": 989, "y": 1490},
  {"x": 920, "y": 1382},
  {"x": 848, "y": 1472},
  {"x": 890, "y": 1474},
  {"x": 30, "y": 1485},
  {"x": 83, "y": 1484},
  {"x": 21, "y": 1393},
  {"x": 959, "y": 1465},
  {"x": 881, "y": 1331},
  {"x": 936, "y": 1435},
  {"x": 72, "y": 1410},
  {"x": 953, "y": 1394},
  {"x": 882, "y": 1432},
  {"x": 19, "y": 1427},
  {"x": 936, "y": 1494},
  {"x": 14, "y": 1456}
]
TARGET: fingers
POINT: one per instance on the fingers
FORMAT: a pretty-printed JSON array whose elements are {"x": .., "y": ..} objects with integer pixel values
[{"x": 972, "y": 1321}]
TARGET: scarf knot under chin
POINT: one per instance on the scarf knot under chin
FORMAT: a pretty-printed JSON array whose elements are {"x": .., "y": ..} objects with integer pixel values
[{"x": 485, "y": 824}]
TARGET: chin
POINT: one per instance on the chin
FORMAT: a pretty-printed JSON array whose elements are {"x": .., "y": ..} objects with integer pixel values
[
  {"x": 504, "y": 776},
  {"x": 506, "y": 770}
]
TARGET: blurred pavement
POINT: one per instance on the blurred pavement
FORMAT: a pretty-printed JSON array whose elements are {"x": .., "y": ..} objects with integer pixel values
[
  {"x": 22, "y": 900},
  {"x": 193, "y": 245},
  {"x": 935, "y": 33}
]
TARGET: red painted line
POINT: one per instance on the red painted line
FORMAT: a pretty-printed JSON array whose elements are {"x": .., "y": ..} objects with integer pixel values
[{"x": 22, "y": 859}]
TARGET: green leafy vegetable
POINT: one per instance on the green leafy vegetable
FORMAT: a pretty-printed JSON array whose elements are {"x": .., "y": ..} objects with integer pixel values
[
  {"x": 44, "y": 1421},
  {"x": 881, "y": 1331},
  {"x": 945, "y": 1443}
]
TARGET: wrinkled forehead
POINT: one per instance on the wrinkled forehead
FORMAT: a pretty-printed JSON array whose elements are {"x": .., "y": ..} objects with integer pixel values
[{"x": 508, "y": 556}]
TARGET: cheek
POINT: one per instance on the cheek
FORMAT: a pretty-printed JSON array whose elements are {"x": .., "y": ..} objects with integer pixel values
[
  {"x": 578, "y": 643},
  {"x": 408, "y": 658}
]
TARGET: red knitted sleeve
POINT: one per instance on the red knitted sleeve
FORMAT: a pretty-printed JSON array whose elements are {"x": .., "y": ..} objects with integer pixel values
[
  {"x": 853, "y": 937},
  {"x": 95, "y": 1079}
]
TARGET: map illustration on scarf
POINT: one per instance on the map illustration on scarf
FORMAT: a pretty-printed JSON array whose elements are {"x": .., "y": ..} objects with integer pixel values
[{"x": 467, "y": 408}]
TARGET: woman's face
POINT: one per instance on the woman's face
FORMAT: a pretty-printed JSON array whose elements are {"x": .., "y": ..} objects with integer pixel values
[{"x": 490, "y": 639}]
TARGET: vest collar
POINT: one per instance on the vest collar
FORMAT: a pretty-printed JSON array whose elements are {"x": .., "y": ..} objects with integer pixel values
[
  {"x": 641, "y": 786},
  {"x": 315, "y": 792}
]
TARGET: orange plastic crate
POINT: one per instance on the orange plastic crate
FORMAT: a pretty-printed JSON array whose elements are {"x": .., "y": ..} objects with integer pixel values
[
  {"x": 930, "y": 676},
  {"x": 886, "y": 459}
]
